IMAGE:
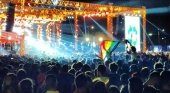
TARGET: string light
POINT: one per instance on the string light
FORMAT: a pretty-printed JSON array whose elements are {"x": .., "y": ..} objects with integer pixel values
[{"x": 39, "y": 14}]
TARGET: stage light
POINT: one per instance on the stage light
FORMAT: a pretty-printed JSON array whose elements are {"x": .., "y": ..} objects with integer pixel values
[
  {"x": 92, "y": 27},
  {"x": 150, "y": 34},
  {"x": 103, "y": 14},
  {"x": 163, "y": 30},
  {"x": 75, "y": 36},
  {"x": 92, "y": 14},
  {"x": 55, "y": 2},
  {"x": 87, "y": 39},
  {"x": 9, "y": 38},
  {"x": 94, "y": 44},
  {"x": 138, "y": 12},
  {"x": 100, "y": 39},
  {"x": 18, "y": 30},
  {"x": 107, "y": 13}
]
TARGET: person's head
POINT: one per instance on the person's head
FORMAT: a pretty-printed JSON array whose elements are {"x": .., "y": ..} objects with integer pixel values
[
  {"x": 124, "y": 78},
  {"x": 99, "y": 87},
  {"x": 124, "y": 89},
  {"x": 79, "y": 65},
  {"x": 133, "y": 68},
  {"x": 25, "y": 86},
  {"x": 144, "y": 72},
  {"x": 90, "y": 74},
  {"x": 85, "y": 68},
  {"x": 64, "y": 68},
  {"x": 51, "y": 82},
  {"x": 113, "y": 89},
  {"x": 154, "y": 79},
  {"x": 54, "y": 70},
  {"x": 81, "y": 81},
  {"x": 165, "y": 81},
  {"x": 27, "y": 67},
  {"x": 43, "y": 68},
  {"x": 3, "y": 72},
  {"x": 101, "y": 70},
  {"x": 113, "y": 67},
  {"x": 10, "y": 79},
  {"x": 158, "y": 65},
  {"x": 34, "y": 67},
  {"x": 154, "y": 76},
  {"x": 9, "y": 83},
  {"x": 135, "y": 85},
  {"x": 21, "y": 74},
  {"x": 133, "y": 48},
  {"x": 150, "y": 89},
  {"x": 72, "y": 71}
]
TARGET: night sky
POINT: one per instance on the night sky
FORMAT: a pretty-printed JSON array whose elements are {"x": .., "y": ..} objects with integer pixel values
[{"x": 161, "y": 21}]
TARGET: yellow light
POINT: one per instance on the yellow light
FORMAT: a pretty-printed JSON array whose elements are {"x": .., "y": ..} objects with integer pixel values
[{"x": 100, "y": 39}]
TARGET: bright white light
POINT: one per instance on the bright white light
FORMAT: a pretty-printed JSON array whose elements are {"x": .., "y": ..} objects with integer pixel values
[
  {"x": 163, "y": 30},
  {"x": 100, "y": 39},
  {"x": 70, "y": 17},
  {"x": 75, "y": 36},
  {"x": 18, "y": 30},
  {"x": 94, "y": 44},
  {"x": 92, "y": 27},
  {"x": 9, "y": 38},
  {"x": 87, "y": 39},
  {"x": 55, "y": 2},
  {"x": 150, "y": 34}
]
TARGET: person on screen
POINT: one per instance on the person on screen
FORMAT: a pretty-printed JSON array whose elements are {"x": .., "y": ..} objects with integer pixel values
[{"x": 131, "y": 50}]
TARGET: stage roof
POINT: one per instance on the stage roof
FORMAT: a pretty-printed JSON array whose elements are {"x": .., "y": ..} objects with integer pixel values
[{"x": 133, "y": 3}]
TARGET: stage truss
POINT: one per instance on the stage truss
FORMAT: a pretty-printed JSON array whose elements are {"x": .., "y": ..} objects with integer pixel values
[{"x": 40, "y": 11}]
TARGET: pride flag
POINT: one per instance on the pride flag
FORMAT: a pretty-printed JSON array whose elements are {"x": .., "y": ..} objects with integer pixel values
[{"x": 107, "y": 47}]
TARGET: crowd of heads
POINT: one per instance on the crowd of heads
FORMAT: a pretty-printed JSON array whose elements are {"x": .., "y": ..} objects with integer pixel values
[{"x": 147, "y": 73}]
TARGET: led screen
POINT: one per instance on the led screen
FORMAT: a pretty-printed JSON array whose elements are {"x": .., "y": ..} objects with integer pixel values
[{"x": 132, "y": 31}]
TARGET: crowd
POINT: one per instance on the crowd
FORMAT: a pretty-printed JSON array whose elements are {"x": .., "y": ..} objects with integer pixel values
[{"x": 147, "y": 73}]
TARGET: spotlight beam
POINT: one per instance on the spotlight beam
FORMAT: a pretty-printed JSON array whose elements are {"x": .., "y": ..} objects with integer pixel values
[
  {"x": 103, "y": 29},
  {"x": 147, "y": 36},
  {"x": 158, "y": 10},
  {"x": 159, "y": 29}
]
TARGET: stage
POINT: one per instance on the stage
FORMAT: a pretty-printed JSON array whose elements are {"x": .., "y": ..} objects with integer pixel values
[{"x": 71, "y": 28}]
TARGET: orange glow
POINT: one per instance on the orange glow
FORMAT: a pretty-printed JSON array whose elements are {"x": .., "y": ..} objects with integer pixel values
[{"x": 28, "y": 10}]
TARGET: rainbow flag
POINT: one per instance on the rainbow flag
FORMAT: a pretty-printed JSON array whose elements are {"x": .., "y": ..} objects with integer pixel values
[{"x": 107, "y": 47}]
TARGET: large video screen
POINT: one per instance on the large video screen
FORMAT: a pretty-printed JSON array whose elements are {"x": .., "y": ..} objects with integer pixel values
[{"x": 133, "y": 31}]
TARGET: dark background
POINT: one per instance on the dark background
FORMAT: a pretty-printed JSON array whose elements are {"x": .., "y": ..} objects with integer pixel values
[{"x": 158, "y": 17}]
